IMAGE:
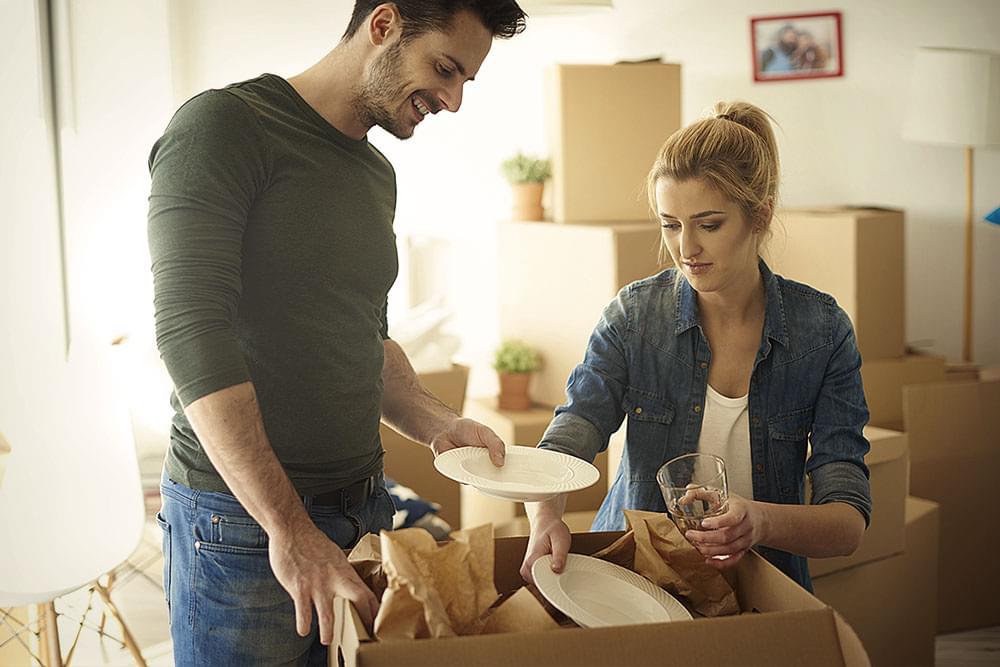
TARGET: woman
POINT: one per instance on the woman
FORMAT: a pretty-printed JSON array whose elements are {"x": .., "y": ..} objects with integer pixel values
[{"x": 720, "y": 355}]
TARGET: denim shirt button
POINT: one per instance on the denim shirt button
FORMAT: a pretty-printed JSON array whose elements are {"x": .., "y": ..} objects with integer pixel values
[
  {"x": 638, "y": 411},
  {"x": 756, "y": 421},
  {"x": 697, "y": 408},
  {"x": 759, "y": 467},
  {"x": 703, "y": 365}
]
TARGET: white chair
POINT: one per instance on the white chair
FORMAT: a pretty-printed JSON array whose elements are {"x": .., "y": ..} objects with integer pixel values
[{"x": 71, "y": 505}]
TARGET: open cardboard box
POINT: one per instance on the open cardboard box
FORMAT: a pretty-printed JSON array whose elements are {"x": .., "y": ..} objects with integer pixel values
[{"x": 792, "y": 628}]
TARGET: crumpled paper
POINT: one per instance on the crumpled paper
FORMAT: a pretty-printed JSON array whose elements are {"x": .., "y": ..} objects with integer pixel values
[
  {"x": 366, "y": 558},
  {"x": 521, "y": 612},
  {"x": 657, "y": 550},
  {"x": 435, "y": 590}
]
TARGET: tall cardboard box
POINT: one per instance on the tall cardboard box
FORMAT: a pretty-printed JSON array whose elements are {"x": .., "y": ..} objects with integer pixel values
[
  {"x": 520, "y": 427},
  {"x": 412, "y": 464},
  {"x": 862, "y": 267},
  {"x": 892, "y": 603},
  {"x": 889, "y": 464},
  {"x": 555, "y": 281},
  {"x": 884, "y": 380},
  {"x": 786, "y": 626},
  {"x": 604, "y": 125},
  {"x": 954, "y": 431}
]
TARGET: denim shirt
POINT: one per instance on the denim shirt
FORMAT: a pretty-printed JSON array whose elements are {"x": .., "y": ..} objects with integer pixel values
[{"x": 648, "y": 359}]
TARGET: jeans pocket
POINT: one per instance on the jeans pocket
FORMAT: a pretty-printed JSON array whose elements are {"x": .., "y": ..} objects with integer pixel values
[{"x": 165, "y": 527}]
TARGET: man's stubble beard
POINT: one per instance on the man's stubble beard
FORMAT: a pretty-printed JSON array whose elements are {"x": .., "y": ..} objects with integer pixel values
[{"x": 376, "y": 100}]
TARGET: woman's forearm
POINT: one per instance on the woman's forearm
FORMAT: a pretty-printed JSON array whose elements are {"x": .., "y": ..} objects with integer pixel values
[{"x": 813, "y": 531}]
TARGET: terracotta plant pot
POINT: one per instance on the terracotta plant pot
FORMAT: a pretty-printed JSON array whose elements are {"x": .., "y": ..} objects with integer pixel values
[
  {"x": 514, "y": 391},
  {"x": 528, "y": 201}
]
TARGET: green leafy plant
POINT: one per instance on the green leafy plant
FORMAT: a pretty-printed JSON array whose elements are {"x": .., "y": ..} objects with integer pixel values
[
  {"x": 525, "y": 169},
  {"x": 514, "y": 356}
]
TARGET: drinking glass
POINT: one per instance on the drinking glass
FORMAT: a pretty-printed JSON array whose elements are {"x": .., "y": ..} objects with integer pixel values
[{"x": 694, "y": 488}]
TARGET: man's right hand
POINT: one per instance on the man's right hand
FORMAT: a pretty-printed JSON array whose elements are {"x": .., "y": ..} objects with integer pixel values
[
  {"x": 549, "y": 535},
  {"x": 314, "y": 570}
]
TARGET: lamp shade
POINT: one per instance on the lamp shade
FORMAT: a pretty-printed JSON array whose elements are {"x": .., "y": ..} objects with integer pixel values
[
  {"x": 954, "y": 97},
  {"x": 542, "y": 7}
]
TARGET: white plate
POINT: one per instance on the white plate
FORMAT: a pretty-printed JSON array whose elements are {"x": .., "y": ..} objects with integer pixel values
[
  {"x": 596, "y": 593},
  {"x": 528, "y": 474}
]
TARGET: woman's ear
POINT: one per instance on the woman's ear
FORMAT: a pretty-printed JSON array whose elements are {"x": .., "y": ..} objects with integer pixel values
[{"x": 764, "y": 214}]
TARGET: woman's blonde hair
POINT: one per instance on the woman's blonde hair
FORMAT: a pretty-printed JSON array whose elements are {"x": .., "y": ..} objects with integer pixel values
[{"x": 734, "y": 150}]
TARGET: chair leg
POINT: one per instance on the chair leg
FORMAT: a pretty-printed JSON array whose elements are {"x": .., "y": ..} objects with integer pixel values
[
  {"x": 127, "y": 638},
  {"x": 49, "y": 635}
]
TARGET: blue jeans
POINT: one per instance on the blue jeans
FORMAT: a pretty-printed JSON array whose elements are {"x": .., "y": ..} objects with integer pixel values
[{"x": 225, "y": 605}]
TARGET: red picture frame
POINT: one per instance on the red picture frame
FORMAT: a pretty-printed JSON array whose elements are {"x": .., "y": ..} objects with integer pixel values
[{"x": 791, "y": 47}]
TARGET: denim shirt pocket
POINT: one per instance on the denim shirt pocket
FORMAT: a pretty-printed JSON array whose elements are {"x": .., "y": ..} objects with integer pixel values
[
  {"x": 649, "y": 418},
  {"x": 789, "y": 436}
]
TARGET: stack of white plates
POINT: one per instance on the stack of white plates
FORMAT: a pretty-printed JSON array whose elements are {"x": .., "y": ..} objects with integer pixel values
[{"x": 529, "y": 474}]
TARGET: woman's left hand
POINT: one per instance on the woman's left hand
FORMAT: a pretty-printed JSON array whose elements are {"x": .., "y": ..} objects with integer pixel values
[{"x": 726, "y": 538}]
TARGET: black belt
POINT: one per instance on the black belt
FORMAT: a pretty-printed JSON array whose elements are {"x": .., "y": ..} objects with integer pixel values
[{"x": 353, "y": 495}]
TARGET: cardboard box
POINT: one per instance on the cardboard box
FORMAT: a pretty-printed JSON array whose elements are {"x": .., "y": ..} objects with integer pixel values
[
  {"x": 586, "y": 263},
  {"x": 954, "y": 432},
  {"x": 412, "y": 464},
  {"x": 884, "y": 380},
  {"x": 605, "y": 124},
  {"x": 520, "y": 427},
  {"x": 578, "y": 522},
  {"x": 892, "y": 603},
  {"x": 889, "y": 463},
  {"x": 865, "y": 272},
  {"x": 792, "y": 628}
]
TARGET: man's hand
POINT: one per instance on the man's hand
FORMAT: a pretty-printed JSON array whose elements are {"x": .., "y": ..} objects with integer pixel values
[
  {"x": 462, "y": 432},
  {"x": 314, "y": 570}
]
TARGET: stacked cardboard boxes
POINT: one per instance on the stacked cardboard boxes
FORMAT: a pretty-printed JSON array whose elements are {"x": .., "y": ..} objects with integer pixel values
[
  {"x": 954, "y": 431},
  {"x": 892, "y": 602},
  {"x": 604, "y": 124},
  {"x": 949, "y": 413}
]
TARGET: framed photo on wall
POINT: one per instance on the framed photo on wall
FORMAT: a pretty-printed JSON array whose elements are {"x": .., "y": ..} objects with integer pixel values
[{"x": 796, "y": 46}]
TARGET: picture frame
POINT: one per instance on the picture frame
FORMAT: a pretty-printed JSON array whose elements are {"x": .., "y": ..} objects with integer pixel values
[{"x": 797, "y": 46}]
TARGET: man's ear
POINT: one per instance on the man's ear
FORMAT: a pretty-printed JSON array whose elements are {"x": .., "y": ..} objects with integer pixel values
[{"x": 384, "y": 24}]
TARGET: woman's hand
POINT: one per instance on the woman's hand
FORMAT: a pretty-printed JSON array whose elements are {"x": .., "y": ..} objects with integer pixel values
[
  {"x": 726, "y": 538},
  {"x": 549, "y": 535}
]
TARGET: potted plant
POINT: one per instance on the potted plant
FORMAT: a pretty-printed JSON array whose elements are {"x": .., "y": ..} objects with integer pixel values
[
  {"x": 514, "y": 362},
  {"x": 526, "y": 175}
]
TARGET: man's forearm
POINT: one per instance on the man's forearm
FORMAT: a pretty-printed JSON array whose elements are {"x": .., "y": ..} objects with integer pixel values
[
  {"x": 406, "y": 406},
  {"x": 229, "y": 426}
]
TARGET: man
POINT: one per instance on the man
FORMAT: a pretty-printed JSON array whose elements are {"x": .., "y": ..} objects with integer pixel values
[{"x": 270, "y": 232}]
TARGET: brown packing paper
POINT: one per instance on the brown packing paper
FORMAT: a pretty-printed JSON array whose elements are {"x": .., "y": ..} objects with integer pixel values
[
  {"x": 435, "y": 591},
  {"x": 656, "y": 549},
  {"x": 366, "y": 558},
  {"x": 521, "y": 612}
]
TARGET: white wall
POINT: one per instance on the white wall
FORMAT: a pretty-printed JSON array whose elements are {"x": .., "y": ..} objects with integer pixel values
[{"x": 839, "y": 138}]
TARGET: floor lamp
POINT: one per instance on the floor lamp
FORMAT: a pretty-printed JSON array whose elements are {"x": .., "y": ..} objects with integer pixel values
[{"x": 955, "y": 100}]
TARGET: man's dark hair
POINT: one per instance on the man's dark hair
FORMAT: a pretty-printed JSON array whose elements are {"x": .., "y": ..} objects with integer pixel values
[{"x": 503, "y": 18}]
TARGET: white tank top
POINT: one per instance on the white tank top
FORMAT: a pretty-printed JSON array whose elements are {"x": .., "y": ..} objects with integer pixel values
[{"x": 725, "y": 432}]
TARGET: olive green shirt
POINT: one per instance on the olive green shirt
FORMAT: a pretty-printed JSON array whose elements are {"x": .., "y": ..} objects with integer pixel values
[{"x": 270, "y": 234}]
